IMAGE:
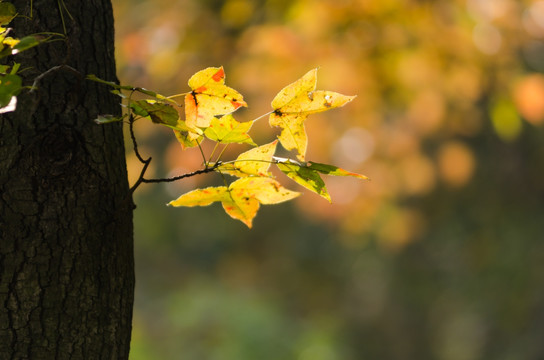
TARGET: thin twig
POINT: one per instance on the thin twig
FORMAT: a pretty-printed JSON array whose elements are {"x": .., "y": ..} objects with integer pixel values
[
  {"x": 53, "y": 69},
  {"x": 146, "y": 162},
  {"x": 179, "y": 177},
  {"x": 201, "y": 151},
  {"x": 134, "y": 143}
]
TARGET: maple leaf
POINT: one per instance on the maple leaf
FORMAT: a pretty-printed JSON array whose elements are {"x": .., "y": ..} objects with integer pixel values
[
  {"x": 254, "y": 162},
  {"x": 241, "y": 199},
  {"x": 210, "y": 97},
  {"x": 158, "y": 112},
  {"x": 188, "y": 139},
  {"x": 294, "y": 103},
  {"x": 227, "y": 130},
  {"x": 307, "y": 174}
]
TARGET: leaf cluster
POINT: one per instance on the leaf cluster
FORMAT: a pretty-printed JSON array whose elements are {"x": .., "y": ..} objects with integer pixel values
[
  {"x": 10, "y": 82},
  {"x": 207, "y": 113}
]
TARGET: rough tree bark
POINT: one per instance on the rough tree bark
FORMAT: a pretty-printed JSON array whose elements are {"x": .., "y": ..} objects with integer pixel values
[{"x": 66, "y": 257}]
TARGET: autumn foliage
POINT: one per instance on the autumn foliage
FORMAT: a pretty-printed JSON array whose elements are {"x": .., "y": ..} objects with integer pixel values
[{"x": 208, "y": 114}]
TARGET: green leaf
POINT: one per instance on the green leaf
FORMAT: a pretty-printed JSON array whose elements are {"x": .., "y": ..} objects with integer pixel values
[
  {"x": 227, "y": 130},
  {"x": 26, "y": 43},
  {"x": 10, "y": 85},
  {"x": 157, "y": 96},
  {"x": 7, "y": 12},
  {"x": 307, "y": 174},
  {"x": 158, "y": 112},
  {"x": 105, "y": 119},
  {"x": 309, "y": 178},
  {"x": 138, "y": 110},
  {"x": 94, "y": 78},
  {"x": 333, "y": 170}
]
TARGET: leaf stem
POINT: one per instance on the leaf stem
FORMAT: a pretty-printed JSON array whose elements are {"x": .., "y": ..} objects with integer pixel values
[
  {"x": 222, "y": 152},
  {"x": 201, "y": 152},
  {"x": 263, "y": 115},
  {"x": 213, "y": 152},
  {"x": 177, "y": 95}
]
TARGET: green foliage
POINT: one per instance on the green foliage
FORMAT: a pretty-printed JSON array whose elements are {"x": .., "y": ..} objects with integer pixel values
[
  {"x": 10, "y": 82},
  {"x": 208, "y": 114}
]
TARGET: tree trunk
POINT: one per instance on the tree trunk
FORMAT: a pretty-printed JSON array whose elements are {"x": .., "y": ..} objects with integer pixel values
[{"x": 66, "y": 251}]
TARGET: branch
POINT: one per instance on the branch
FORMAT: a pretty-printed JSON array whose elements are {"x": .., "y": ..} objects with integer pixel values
[{"x": 179, "y": 177}]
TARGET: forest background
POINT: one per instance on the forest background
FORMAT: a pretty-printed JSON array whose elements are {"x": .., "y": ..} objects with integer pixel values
[{"x": 440, "y": 256}]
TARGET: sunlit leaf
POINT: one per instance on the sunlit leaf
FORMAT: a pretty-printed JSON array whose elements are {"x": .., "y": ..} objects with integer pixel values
[
  {"x": 241, "y": 199},
  {"x": 10, "y": 42},
  {"x": 227, "y": 130},
  {"x": 210, "y": 97},
  {"x": 294, "y": 103},
  {"x": 333, "y": 170},
  {"x": 267, "y": 190},
  {"x": 247, "y": 193},
  {"x": 306, "y": 177},
  {"x": 301, "y": 87},
  {"x": 188, "y": 139},
  {"x": 307, "y": 174},
  {"x": 254, "y": 162},
  {"x": 202, "y": 197},
  {"x": 293, "y": 133},
  {"x": 242, "y": 208}
]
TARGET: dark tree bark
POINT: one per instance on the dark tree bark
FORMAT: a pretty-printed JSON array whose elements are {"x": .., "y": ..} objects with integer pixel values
[{"x": 66, "y": 256}]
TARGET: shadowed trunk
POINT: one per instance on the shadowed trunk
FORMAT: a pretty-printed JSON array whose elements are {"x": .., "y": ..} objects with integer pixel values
[{"x": 66, "y": 257}]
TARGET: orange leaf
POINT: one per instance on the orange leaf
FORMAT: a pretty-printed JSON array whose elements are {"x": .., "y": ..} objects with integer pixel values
[{"x": 210, "y": 97}]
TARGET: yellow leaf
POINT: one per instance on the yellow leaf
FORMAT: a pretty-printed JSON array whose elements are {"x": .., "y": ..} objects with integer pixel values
[
  {"x": 294, "y": 103},
  {"x": 267, "y": 190},
  {"x": 293, "y": 134},
  {"x": 187, "y": 139},
  {"x": 302, "y": 86},
  {"x": 210, "y": 97},
  {"x": 242, "y": 199},
  {"x": 248, "y": 193},
  {"x": 202, "y": 197},
  {"x": 254, "y": 162},
  {"x": 227, "y": 130},
  {"x": 242, "y": 208},
  {"x": 314, "y": 102}
]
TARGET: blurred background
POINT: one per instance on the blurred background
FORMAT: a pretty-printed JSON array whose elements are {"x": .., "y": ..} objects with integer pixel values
[{"x": 440, "y": 256}]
